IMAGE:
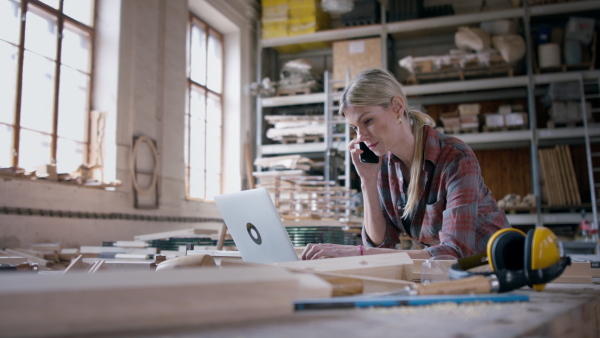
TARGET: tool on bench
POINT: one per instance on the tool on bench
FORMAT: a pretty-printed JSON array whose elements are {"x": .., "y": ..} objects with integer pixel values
[{"x": 517, "y": 260}]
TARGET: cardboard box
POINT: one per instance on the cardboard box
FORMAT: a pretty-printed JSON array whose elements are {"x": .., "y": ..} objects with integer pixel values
[
  {"x": 516, "y": 119},
  {"x": 356, "y": 56},
  {"x": 494, "y": 120},
  {"x": 469, "y": 109}
]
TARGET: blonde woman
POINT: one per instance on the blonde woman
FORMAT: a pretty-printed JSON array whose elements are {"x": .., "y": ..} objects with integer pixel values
[{"x": 427, "y": 185}]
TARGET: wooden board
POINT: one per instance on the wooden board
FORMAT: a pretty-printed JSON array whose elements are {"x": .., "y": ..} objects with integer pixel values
[
  {"x": 177, "y": 233},
  {"x": 77, "y": 304},
  {"x": 570, "y": 167},
  {"x": 397, "y": 266}
]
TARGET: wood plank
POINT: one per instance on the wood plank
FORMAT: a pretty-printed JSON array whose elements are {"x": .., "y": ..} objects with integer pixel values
[
  {"x": 572, "y": 176},
  {"x": 191, "y": 233},
  {"x": 562, "y": 165},
  {"x": 30, "y": 258},
  {"x": 573, "y": 280},
  {"x": 114, "y": 249},
  {"x": 13, "y": 260},
  {"x": 391, "y": 266},
  {"x": 77, "y": 264},
  {"x": 546, "y": 194},
  {"x": 146, "y": 300}
]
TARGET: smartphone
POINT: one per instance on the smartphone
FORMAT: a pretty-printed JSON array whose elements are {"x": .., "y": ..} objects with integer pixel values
[{"x": 368, "y": 156}]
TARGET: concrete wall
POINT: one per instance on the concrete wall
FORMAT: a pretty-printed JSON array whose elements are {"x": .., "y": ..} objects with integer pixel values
[{"x": 140, "y": 67}]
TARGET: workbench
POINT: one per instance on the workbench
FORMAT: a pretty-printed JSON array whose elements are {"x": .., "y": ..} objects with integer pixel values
[{"x": 562, "y": 310}]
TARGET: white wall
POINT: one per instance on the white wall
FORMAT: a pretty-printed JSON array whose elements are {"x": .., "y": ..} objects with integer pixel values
[{"x": 141, "y": 83}]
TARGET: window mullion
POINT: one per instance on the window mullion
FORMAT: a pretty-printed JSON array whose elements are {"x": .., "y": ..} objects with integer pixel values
[
  {"x": 19, "y": 94},
  {"x": 60, "y": 26}
]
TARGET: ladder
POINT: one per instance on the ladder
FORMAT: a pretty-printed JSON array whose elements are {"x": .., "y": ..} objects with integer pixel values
[{"x": 588, "y": 148}]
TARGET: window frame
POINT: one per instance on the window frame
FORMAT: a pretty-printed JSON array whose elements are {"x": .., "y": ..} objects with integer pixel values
[
  {"x": 61, "y": 20},
  {"x": 192, "y": 85}
]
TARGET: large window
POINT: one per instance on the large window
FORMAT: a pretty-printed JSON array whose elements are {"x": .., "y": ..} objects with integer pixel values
[
  {"x": 204, "y": 117},
  {"x": 45, "y": 78}
]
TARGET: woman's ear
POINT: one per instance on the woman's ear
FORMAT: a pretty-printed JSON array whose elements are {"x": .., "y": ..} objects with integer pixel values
[{"x": 398, "y": 105}]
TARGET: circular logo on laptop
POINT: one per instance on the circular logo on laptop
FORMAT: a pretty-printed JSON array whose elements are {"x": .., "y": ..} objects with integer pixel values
[{"x": 254, "y": 234}]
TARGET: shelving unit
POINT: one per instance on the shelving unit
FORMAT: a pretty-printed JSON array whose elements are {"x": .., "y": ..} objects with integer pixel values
[{"x": 526, "y": 86}]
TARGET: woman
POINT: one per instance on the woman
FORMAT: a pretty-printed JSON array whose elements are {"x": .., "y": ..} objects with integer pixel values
[{"x": 428, "y": 185}]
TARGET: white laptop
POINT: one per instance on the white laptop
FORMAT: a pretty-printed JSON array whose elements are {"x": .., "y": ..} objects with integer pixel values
[{"x": 256, "y": 227}]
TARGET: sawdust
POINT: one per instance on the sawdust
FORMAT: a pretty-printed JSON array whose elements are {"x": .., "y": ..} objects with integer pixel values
[{"x": 464, "y": 311}]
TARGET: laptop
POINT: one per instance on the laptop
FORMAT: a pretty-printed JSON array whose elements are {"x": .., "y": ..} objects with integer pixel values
[{"x": 256, "y": 227}]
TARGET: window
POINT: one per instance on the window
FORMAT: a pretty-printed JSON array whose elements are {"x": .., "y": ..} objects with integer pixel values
[
  {"x": 45, "y": 62},
  {"x": 204, "y": 117}
]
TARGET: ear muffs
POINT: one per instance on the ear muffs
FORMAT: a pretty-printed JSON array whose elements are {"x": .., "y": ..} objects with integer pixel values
[
  {"x": 505, "y": 249},
  {"x": 517, "y": 259}
]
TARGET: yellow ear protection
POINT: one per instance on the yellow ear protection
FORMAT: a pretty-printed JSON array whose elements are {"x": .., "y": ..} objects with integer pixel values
[{"x": 517, "y": 260}]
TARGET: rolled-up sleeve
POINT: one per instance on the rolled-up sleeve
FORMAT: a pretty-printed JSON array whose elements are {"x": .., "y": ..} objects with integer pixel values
[{"x": 458, "y": 233}]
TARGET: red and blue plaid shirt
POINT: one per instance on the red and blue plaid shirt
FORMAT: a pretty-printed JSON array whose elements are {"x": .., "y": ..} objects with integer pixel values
[{"x": 456, "y": 214}]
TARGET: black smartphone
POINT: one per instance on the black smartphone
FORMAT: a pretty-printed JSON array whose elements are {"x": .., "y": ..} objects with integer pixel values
[{"x": 368, "y": 156}]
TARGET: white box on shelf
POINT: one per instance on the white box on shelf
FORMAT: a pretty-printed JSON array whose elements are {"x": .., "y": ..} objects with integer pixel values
[
  {"x": 515, "y": 119},
  {"x": 494, "y": 120}
]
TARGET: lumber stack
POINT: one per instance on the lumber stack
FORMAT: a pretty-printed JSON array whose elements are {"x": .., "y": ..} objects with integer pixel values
[{"x": 559, "y": 186}]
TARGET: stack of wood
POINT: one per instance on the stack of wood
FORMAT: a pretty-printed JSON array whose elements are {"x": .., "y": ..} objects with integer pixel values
[
  {"x": 307, "y": 197},
  {"x": 43, "y": 256},
  {"x": 296, "y": 128},
  {"x": 559, "y": 186}
]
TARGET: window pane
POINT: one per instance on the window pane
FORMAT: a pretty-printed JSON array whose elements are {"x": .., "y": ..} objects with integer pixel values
[
  {"x": 198, "y": 55},
  {"x": 213, "y": 135},
  {"x": 197, "y": 103},
  {"x": 9, "y": 57},
  {"x": 214, "y": 116},
  {"x": 73, "y": 104},
  {"x": 38, "y": 93},
  {"x": 40, "y": 33},
  {"x": 6, "y": 141},
  {"x": 186, "y": 144},
  {"x": 10, "y": 25},
  {"x": 76, "y": 49},
  {"x": 197, "y": 183},
  {"x": 215, "y": 64},
  {"x": 69, "y": 155},
  {"x": 197, "y": 143},
  {"x": 80, "y": 10},
  {"x": 213, "y": 185},
  {"x": 51, "y": 3},
  {"x": 34, "y": 149}
]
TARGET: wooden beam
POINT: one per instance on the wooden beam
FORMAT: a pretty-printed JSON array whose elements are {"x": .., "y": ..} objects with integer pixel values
[
  {"x": 391, "y": 266},
  {"x": 76, "y": 304}
]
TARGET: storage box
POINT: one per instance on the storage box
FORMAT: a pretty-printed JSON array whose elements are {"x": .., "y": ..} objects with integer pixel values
[
  {"x": 515, "y": 119},
  {"x": 494, "y": 120},
  {"x": 469, "y": 121},
  {"x": 356, "y": 56},
  {"x": 467, "y": 109}
]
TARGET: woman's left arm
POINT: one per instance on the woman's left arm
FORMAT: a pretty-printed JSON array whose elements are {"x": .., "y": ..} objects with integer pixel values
[{"x": 464, "y": 185}]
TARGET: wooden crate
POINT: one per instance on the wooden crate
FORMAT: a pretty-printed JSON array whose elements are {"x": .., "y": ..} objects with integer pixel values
[{"x": 356, "y": 56}]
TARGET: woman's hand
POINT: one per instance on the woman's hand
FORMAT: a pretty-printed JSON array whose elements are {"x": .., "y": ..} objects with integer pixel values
[
  {"x": 366, "y": 171},
  {"x": 316, "y": 251}
]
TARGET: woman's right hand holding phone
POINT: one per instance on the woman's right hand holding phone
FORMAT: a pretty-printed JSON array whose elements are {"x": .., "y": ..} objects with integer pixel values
[{"x": 367, "y": 171}]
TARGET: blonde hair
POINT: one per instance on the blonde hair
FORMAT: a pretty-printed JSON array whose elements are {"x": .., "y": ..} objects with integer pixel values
[{"x": 377, "y": 87}]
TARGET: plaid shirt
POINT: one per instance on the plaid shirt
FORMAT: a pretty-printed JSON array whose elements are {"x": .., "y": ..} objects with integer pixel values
[{"x": 456, "y": 214}]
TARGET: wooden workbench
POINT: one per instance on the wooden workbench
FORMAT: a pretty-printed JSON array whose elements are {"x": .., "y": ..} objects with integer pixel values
[{"x": 563, "y": 310}]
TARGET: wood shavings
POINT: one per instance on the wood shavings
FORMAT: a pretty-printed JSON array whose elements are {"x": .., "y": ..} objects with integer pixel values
[{"x": 465, "y": 311}]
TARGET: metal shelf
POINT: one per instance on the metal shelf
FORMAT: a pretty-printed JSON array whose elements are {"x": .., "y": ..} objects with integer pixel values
[
  {"x": 279, "y": 101},
  {"x": 328, "y": 35},
  {"x": 566, "y": 76},
  {"x": 429, "y": 23},
  {"x": 566, "y": 133},
  {"x": 564, "y": 8},
  {"x": 547, "y": 219},
  {"x": 452, "y": 20},
  {"x": 296, "y": 148},
  {"x": 497, "y": 138},
  {"x": 469, "y": 85}
]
